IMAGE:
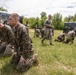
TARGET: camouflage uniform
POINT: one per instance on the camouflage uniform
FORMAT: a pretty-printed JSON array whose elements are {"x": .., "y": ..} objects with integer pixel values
[
  {"x": 6, "y": 37},
  {"x": 42, "y": 31},
  {"x": 70, "y": 37},
  {"x": 48, "y": 31},
  {"x": 23, "y": 47},
  {"x": 61, "y": 37},
  {"x": 27, "y": 28},
  {"x": 37, "y": 32}
]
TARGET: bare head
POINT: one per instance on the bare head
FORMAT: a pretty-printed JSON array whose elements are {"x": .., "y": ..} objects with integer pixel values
[
  {"x": 49, "y": 16},
  {"x": 14, "y": 19}
]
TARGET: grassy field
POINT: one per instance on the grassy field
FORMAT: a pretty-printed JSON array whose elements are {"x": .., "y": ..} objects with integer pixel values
[{"x": 59, "y": 59}]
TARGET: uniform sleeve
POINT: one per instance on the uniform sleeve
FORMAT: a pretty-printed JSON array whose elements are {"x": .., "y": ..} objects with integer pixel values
[
  {"x": 25, "y": 42},
  {"x": 10, "y": 36},
  {"x": 45, "y": 23}
]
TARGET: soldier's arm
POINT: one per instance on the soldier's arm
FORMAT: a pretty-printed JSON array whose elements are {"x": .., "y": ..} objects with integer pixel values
[
  {"x": 47, "y": 24},
  {"x": 10, "y": 36},
  {"x": 25, "y": 40}
]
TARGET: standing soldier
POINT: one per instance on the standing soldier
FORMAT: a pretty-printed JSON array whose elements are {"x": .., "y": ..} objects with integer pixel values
[
  {"x": 27, "y": 27},
  {"x": 48, "y": 30},
  {"x": 23, "y": 57},
  {"x": 35, "y": 27}
]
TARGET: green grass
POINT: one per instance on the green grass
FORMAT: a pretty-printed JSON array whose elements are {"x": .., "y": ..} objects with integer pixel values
[{"x": 59, "y": 59}]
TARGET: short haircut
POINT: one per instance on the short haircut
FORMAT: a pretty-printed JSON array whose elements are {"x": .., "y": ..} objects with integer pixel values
[{"x": 15, "y": 15}]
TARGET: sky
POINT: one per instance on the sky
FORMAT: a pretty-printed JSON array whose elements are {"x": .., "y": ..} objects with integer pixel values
[{"x": 33, "y": 8}]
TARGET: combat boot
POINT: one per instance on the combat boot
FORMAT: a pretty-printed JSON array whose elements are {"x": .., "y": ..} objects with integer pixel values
[
  {"x": 51, "y": 44},
  {"x": 35, "y": 60}
]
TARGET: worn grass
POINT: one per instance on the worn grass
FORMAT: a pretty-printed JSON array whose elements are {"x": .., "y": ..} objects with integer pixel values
[{"x": 59, "y": 59}]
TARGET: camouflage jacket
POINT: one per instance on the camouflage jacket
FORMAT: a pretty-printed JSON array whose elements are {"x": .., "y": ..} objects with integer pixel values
[
  {"x": 22, "y": 39},
  {"x": 48, "y": 22},
  {"x": 6, "y": 35}
]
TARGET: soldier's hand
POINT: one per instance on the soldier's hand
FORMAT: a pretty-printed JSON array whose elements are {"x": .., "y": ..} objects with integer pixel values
[{"x": 1, "y": 25}]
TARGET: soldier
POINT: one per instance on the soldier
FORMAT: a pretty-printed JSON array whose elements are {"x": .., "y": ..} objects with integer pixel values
[
  {"x": 60, "y": 38},
  {"x": 42, "y": 31},
  {"x": 70, "y": 37},
  {"x": 6, "y": 37},
  {"x": 23, "y": 57},
  {"x": 36, "y": 32},
  {"x": 27, "y": 27},
  {"x": 48, "y": 30}
]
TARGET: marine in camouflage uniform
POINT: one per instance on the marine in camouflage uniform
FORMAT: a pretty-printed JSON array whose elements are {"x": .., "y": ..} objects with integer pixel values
[
  {"x": 6, "y": 37},
  {"x": 36, "y": 31},
  {"x": 42, "y": 29},
  {"x": 70, "y": 36},
  {"x": 23, "y": 46},
  {"x": 60, "y": 38},
  {"x": 27, "y": 27},
  {"x": 48, "y": 30}
]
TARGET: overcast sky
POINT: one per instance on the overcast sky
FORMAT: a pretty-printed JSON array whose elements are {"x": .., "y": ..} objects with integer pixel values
[{"x": 33, "y": 8}]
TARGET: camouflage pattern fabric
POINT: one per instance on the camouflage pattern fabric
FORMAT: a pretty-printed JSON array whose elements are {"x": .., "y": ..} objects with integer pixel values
[
  {"x": 23, "y": 47},
  {"x": 60, "y": 38},
  {"x": 70, "y": 37},
  {"x": 37, "y": 33},
  {"x": 8, "y": 51},
  {"x": 7, "y": 35},
  {"x": 47, "y": 31},
  {"x": 22, "y": 41}
]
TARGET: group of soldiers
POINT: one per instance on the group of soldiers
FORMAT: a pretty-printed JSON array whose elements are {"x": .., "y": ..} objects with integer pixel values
[
  {"x": 16, "y": 36},
  {"x": 47, "y": 31},
  {"x": 66, "y": 37}
]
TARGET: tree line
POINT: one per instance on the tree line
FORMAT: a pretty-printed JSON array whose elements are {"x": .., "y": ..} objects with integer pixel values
[{"x": 57, "y": 20}]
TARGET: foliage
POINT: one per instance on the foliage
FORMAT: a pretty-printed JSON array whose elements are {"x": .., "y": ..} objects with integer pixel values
[
  {"x": 2, "y": 9},
  {"x": 43, "y": 15},
  {"x": 57, "y": 21}
]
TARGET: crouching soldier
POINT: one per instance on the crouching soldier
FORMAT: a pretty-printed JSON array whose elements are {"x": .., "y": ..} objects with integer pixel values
[
  {"x": 6, "y": 39},
  {"x": 60, "y": 38},
  {"x": 36, "y": 31},
  {"x": 24, "y": 56},
  {"x": 70, "y": 37}
]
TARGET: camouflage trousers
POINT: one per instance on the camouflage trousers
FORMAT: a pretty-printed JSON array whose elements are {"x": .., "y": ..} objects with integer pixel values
[
  {"x": 23, "y": 64},
  {"x": 2, "y": 47},
  {"x": 47, "y": 35}
]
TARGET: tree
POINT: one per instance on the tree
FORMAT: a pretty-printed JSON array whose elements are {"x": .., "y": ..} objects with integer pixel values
[
  {"x": 43, "y": 17},
  {"x": 2, "y": 9},
  {"x": 74, "y": 17},
  {"x": 57, "y": 21}
]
